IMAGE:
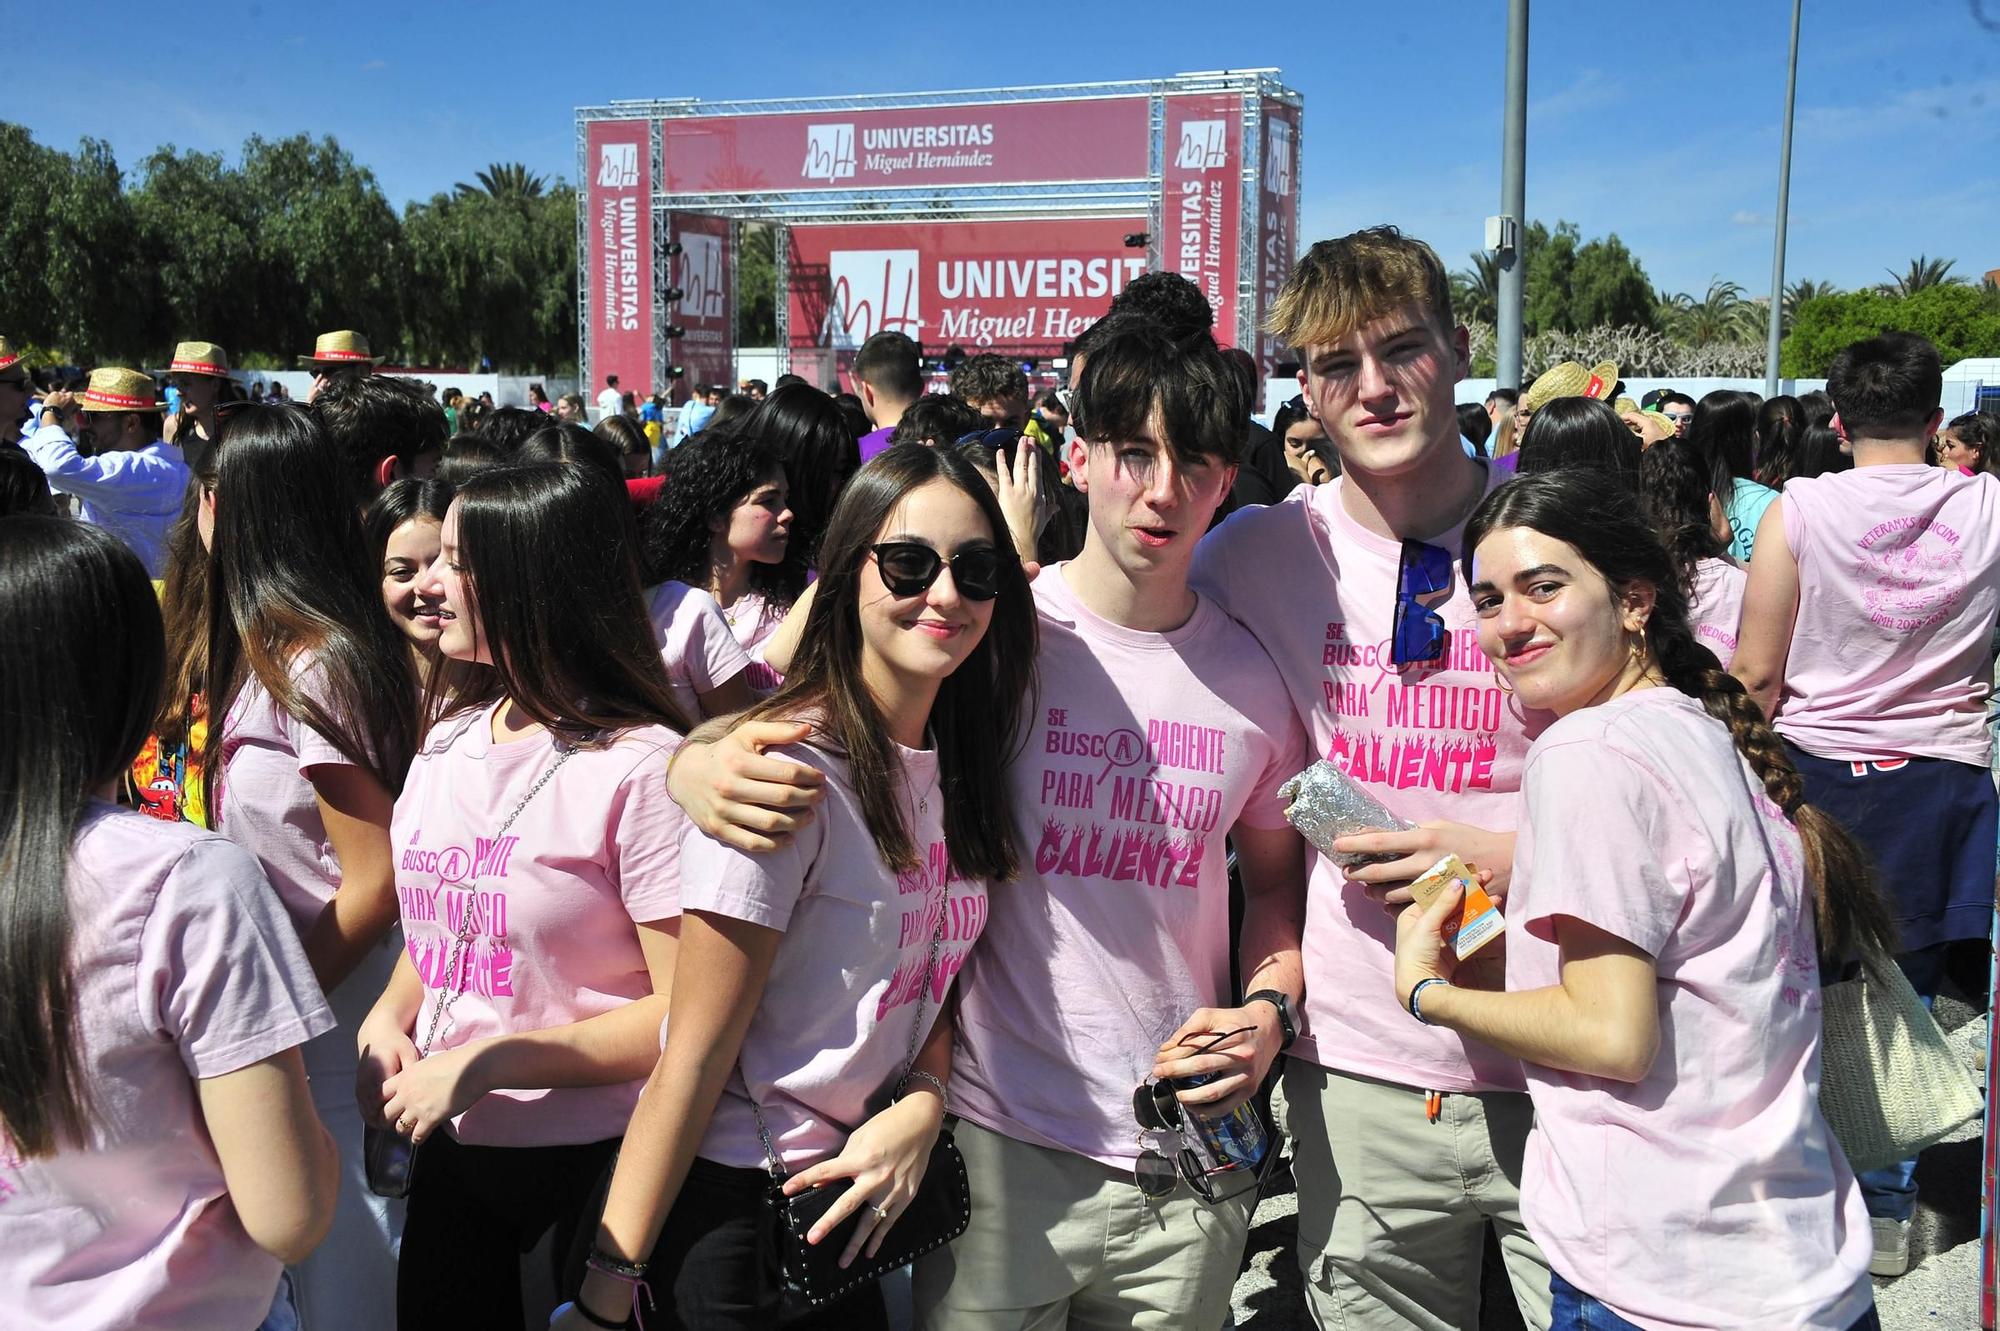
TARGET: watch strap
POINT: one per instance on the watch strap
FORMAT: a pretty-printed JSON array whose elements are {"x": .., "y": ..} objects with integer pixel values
[{"x": 1288, "y": 1030}]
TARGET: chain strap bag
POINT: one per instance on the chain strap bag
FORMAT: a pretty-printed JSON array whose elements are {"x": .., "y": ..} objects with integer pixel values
[
  {"x": 810, "y": 1275},
  {"x": 1890, "y": 1083},
  {"x": 388, "y": 1157}
]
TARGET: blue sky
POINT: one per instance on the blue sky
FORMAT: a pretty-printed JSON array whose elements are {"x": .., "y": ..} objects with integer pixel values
[{"x": 1658, "y": 122}]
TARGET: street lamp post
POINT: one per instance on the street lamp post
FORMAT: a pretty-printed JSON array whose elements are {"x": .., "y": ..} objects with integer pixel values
[
  {"x": 1784, "y": 203},
  {"x": 1513, "y": 199}
]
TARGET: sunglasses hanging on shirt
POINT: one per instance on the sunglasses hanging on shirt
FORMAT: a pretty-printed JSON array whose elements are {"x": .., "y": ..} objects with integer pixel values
[{"x": 1419, "y": 632}]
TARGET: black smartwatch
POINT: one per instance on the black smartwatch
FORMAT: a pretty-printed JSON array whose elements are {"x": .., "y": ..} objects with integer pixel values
[{"x": 1288, "y": 1030}]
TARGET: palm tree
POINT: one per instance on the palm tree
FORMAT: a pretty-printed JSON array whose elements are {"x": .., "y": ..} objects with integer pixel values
[
  {"x": 1924, "y": 272},
  {"x": 1722, "y": 315},
  {"x": 1475, "y": 291},
  {"x": 506, "y": 180},
  {"x": 1798, "y": 293}
]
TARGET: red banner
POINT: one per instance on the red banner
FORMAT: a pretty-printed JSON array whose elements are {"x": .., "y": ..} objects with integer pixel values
[
  {"x": 995, "y": 144},
  {"x": 1021, "y": 289},
  {"x": 706, "y": 347},
  {"x": 1277, "y": 221},
  {"x": 619, "y": 276},
  {"x": 1202, "y": 205}
]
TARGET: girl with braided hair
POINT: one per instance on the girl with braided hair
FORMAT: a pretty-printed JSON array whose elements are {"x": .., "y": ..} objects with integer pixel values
[{"x": 1672, "y": 899}]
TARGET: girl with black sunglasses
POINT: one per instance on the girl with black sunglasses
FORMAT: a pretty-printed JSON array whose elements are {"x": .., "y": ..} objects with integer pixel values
[{"x": 805, "y": 1025}]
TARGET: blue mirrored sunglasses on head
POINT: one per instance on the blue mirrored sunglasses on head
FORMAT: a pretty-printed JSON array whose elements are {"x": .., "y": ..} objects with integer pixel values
[{"x": 1419, "y": 633}]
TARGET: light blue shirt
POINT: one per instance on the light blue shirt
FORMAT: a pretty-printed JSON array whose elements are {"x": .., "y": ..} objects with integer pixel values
[
  {"x": 1747, "y": 502},
  {"x": 136, "y": 496},
  {"x": 693, "y": 416}
]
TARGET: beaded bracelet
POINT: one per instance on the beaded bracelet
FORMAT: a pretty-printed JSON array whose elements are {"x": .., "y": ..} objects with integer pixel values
[
  {"x": 631, "y": 1274},
  {"x": 1416, "y": 1007}
]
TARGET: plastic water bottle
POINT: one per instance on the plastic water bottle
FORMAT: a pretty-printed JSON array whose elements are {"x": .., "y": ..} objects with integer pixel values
[{"x": 1235, "y": 1140}]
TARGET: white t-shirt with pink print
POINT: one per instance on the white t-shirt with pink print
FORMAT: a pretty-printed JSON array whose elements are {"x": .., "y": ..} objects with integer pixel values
[
  {"x": 555, "y": 902},
  {"x": 1899, "y": 587},
  {"x": 1710, "y": 1193},
  {"x": 1440, "y": 740},
  {"x": 832, "y": 1030},
  {"x": 1144, "y": 749}
]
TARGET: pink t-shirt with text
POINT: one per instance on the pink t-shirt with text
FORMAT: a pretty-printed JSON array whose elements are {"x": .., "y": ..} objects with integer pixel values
[
  {"x": 1439, "y": 740},
  {"x": 1899, "y": 585},
  {"x": 555, "y": 902},
  {"x": 185, "y": 968},
  {"x": 1710, "y": 1194},
  {"x": 1717, "y": 606},
  {"x": 831, "y": 1034},
  {"x": 1144, "y": 749},
  {"x": 696, "y": 642},
  {"x": 267, "y": 802}
]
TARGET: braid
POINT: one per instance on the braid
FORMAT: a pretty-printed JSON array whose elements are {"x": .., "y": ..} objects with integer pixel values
[{"x": 1847, "y": 904}]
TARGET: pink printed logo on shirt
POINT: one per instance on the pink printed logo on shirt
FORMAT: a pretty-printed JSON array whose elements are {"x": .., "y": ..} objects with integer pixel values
[
  {"x": 486, "y": 963},
  {"x": 965, "y": 918},
  {"x": 1918, "y": 570},
  {"x": 1166, "y": 822}
]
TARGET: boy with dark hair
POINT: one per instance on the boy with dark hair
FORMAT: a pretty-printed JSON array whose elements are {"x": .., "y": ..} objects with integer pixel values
[
  {"x": 388, "y": 428},
  {"x": 1106, "y": 965},
  {"x": 888, "y": 377},
  {"x": 1867, "y": 627},
  {"x": 995, "y": 387},
  {"x": 1170, "y": 301},
  {"x": 937, "y": 419},
  {"x": 1409, "y": 1139}
]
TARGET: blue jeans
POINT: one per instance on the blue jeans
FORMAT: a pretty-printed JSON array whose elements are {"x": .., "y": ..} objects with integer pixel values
[
  {"x": 1574, "y": 1310},
  {"x": 284, "y": 1316},
  {"x": 1891, "y": 1191}
]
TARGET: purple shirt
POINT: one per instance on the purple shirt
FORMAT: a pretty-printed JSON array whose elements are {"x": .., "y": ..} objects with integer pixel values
[{"x": 875, "y": 441}]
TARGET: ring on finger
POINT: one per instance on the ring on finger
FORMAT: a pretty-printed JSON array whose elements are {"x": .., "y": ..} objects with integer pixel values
[{"x": 881, "y": 1212}]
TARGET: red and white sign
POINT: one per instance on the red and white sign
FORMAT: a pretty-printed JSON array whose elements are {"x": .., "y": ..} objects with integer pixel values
[
  {"x": 619, "y": 273},
  {"x": 994, "y": 144},
  {"x": 1202, "y": 205},
  {"x": 706, "y": 347},
  {"x": 1277, "y": 220},
  {"x": 1021, "y": 289}
]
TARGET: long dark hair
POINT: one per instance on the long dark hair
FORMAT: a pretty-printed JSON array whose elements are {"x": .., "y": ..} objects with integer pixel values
[
  {"x": 1779, "y": 421},
  {"x": 1724, "y": 435},
  {"x": 1675, "y": 490},
  {"x": 184, "y": 609},
  {"x": 711, "y": 477},
  {"x": 80, "y": 638},
  {"x": 289, "y": 575},
  {"x": 812, "y": 439},
  {"x": 975, "y": 721},
  {"x": 1593, "y": 514},
  {"x": 400, "y": 502},
  {"x": 1573, "y": 432},
  {"x": 556, "y": 596}
]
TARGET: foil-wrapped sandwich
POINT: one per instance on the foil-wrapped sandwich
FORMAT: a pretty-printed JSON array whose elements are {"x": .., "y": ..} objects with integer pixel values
[{"x": 1323, "y": 802}]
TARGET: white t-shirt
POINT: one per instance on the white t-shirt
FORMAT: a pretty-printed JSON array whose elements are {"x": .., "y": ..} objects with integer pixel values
[
  {"x": 609, "y": 403},
  {"x": 1710, "y": 1194},
  {"x": 1144, "y": 749},
  {"x": 832, "y": 1030},
  {"x": 1438, "y": 740}
]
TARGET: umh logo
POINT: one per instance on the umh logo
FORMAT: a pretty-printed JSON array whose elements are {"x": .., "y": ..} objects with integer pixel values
[
  {"x": 1278, "y": 156},
  {"x": 829, "y": 152},
  {"x": 701, "y": 275},
  {"x": 1204, "y": 145},
  {"x": 618, "y": 166},
  {"x": 874, "y": 291}
]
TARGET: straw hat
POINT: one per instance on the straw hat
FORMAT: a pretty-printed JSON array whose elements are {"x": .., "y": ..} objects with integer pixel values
[
  {"x": 119, "y": 390},
  {"x": 8, "y": 356},
  {"x": 1570, "y": 379},
  {"x": 200, "y": 358},
  {"x": 340, "y": 350}
]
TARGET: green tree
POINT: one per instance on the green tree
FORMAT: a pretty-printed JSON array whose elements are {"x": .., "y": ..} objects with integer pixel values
[
  {"x": 1923, "y": 272},
  {"x": 498, "y": 277},
  {"x": 757, "y": 287},
  {"x": 100, "y": 309},
  {"x": 1475, "y": 291},
  {"x": 196, "y": 232},
  {"x": 1964, "y": 321},
  {"x": 1798, "y": 293},
  {"x": 1609, "y": 288},
  {"x": 33, "y": 174},
  {"x": 1720, "y": 315},
  {"x": 505, "y": 180},
  {"x": 1548, "y": 259}
]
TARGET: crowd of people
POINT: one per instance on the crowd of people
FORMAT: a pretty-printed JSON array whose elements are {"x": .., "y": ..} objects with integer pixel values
[{"x": 804, "y": 822}]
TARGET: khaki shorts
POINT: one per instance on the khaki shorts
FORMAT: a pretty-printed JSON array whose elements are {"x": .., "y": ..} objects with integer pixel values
[
  {"x": 1060, "y": 1241},
  {"x": 1393, "y": 1208}
]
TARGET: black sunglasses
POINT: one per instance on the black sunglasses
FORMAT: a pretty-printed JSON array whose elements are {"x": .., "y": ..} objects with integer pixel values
[
  {"x": 909, "y": 569},
  {"x": 1158, "y": 1109}
]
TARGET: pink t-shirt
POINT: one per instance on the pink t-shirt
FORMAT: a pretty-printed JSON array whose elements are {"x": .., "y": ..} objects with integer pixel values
[
  {"x": 753, "y": 619},
  {"x": 1144, "y": 749},
  {"x": 1717, "y": 607},
  {"x": 700, "y": 650},
  {"x": 267, "y": 802},
  {"x": 185, "y": 968},
  {"x": 1439, "y": 740},
  {"x": 831, "y": 1034},
  {"x": 554, "y": 902},
  {"x": 1711, "y": 1194},
  {"x": 1899, "y": 586}
]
